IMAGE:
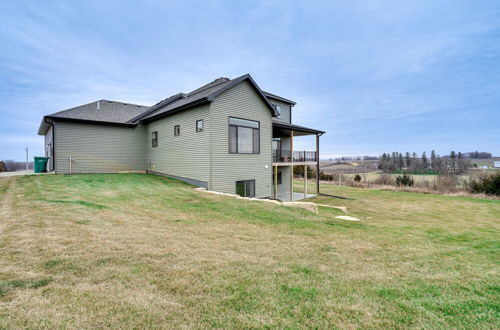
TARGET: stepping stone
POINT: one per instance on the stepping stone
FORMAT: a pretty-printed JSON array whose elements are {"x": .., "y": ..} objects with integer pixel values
[{"x": 346, "y": 217}]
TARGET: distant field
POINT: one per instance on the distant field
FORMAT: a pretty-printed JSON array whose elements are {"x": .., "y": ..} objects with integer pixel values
[
  {"x": 142, "y": 251},
  {"x": 371, "y": 177},
  {"x": 371, "y": 166}
]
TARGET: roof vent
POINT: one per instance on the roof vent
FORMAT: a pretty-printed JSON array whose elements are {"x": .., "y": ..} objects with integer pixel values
[
  {"x": 98, "y": 105},
  {"x": 219, "y": 80}
]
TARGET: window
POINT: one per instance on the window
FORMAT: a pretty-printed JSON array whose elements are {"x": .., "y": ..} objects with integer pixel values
[
  {"x": 154, "y": 139},
  {"x": 278, "y": 110},
  {"x": 200, "y": 125},
  {"x": 177, "y": 130},
  {"x": 244, "y": 136},
  {"x": 245, "y": 188}
]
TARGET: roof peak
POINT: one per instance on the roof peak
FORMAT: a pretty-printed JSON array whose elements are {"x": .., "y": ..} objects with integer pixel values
[
  {"x": 124, "y": 103},
  {"x": 216, "y": 82}
]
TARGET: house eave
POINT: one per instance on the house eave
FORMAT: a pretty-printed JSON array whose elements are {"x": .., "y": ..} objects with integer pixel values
[
  {"x": 254, "y": 85},
  {"x": 93, "y": 122},
  {"x": 279, "y": 98},
  {"x": 174, "y": 111},
  {"x": 297, "y": 128}
]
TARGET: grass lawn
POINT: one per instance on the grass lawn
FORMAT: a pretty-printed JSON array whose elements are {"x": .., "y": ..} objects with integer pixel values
[
  {"x": 135, "y": 251},
  {"x": 418, "y": 178}
]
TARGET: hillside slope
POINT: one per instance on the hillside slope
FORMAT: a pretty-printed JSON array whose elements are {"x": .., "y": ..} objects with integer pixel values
[{"x": 141, "y": 251}]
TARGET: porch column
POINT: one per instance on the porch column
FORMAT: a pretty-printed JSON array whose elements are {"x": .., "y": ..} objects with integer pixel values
[
  {"x": 305, "y": 181},
  {"x": 291, "y": 167},
  {"x": 317, "y": 164},
  {"x": 276, "y": 181}
]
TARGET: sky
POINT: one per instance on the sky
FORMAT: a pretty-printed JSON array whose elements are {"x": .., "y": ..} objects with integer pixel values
[{"x": 377, "y": 76}]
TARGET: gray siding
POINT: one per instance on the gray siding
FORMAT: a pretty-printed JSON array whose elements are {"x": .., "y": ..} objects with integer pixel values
[
  {"x": 285, "y": 110},
  {"x": 48, "y": 146},
  {"x": 186, "y": 155},
  {"x": 98, "y": 148},
  {"x": 243, "y": 102}
]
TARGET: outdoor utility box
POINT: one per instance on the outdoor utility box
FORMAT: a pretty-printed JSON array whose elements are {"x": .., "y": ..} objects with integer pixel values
[{"x": 40, "y": 164}]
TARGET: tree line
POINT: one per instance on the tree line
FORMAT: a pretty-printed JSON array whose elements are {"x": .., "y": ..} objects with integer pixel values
[
  {"x": 11, "y": 165},
  {"x": 454, "y": 163}
]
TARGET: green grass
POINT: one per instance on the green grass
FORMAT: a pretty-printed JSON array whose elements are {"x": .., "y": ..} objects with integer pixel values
[{"x": 137, "y": 251}]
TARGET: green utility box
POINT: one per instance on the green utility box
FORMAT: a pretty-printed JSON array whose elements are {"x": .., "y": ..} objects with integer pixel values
[{"x": 40, "y": 164}]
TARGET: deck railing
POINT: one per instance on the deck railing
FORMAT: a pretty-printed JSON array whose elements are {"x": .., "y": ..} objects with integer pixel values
[{"x": 284, "y": 156}]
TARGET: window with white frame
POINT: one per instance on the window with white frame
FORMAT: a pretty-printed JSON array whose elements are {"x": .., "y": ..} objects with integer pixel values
[
  {"x": 154, "y": 139},
  {"x": 200, "y": 125},
  {"x": 278, "y": 110}
]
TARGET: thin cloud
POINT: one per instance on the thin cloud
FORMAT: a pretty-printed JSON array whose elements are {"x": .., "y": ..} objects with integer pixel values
[{"x": 365, "y": 72}]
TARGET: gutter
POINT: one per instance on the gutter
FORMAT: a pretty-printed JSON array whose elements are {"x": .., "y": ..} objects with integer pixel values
[{"x": 87, "y": 121}]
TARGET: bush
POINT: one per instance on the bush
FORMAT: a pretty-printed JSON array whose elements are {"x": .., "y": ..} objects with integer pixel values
[
  {"x": 486, "y": 183},
  {"x": 325, "y": 176},
  {"x": 385, "y": 179},
  {"x": 357, "y": 178},
  {"x": 404, "y": 180},
  {"x": 446, "y": 183},
  {"x": 3, "y": 167}
]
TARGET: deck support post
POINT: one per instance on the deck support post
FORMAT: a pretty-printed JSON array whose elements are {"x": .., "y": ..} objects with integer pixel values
[
  {"x": 317, "y": 164},
  {"x": 276, "y": 181},
  {"x": 291, "y": 167}
]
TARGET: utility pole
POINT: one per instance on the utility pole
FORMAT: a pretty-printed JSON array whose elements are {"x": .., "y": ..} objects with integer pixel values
[
  {"x": 340, "y": 176},
  {"x": 27, "y": 159}
]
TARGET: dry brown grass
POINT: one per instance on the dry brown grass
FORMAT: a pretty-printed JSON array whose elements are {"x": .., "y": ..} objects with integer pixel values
[{"x": 135, "y": 251}]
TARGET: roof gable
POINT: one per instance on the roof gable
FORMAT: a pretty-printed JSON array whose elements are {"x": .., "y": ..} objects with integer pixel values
[
  {"x": 204, "y": 94},
  {"x": 279, "y": 98}
]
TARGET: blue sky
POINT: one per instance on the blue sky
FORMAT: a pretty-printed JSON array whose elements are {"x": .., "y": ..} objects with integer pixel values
[{"x": 376, "y": 75}]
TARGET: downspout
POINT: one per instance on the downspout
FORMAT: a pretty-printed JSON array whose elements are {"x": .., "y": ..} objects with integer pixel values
[
  {"x": 210, "y": 185},
  {"x": 51, "y": 123}
]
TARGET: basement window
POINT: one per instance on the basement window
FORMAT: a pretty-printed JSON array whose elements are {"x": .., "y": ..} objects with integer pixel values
[
  {"x": 154, "y": 139},
  {"x": 177, "y": 130},
  {"x": 245, "y": 188}
]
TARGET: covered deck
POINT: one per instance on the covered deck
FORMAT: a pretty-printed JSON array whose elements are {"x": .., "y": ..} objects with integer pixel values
[{"x": 285, "y": 158}]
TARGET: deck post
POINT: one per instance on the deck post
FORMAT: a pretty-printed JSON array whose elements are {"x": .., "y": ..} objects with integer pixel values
[
  {"x": 305, "y": 181},
  {"x": 291, "y": 167},
  {"x": 276, "y": 181},
  {"x": 317, "y": 164}
]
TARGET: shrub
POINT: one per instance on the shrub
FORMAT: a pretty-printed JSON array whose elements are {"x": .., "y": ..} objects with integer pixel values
[
  {"x": 325, "y": 176},
  {"x": 486, "y": 183},
  {"x": 385, "y": 179},
  {"x": 446, "y": 183},
  {"x": 357, "y": 178},
  {"x": 404, "y": 180}
]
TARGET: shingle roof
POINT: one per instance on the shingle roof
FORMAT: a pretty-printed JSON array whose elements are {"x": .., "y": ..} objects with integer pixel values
[
  {"x": 182, "y": 99},
  {"x": 102, "y": 110},
  {"x": 119, "y": 113}
]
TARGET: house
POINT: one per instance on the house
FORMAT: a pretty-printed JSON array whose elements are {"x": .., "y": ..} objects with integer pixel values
[
  {"x": 496, "y": 164},
  {"x": 227, "y": 136}
]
